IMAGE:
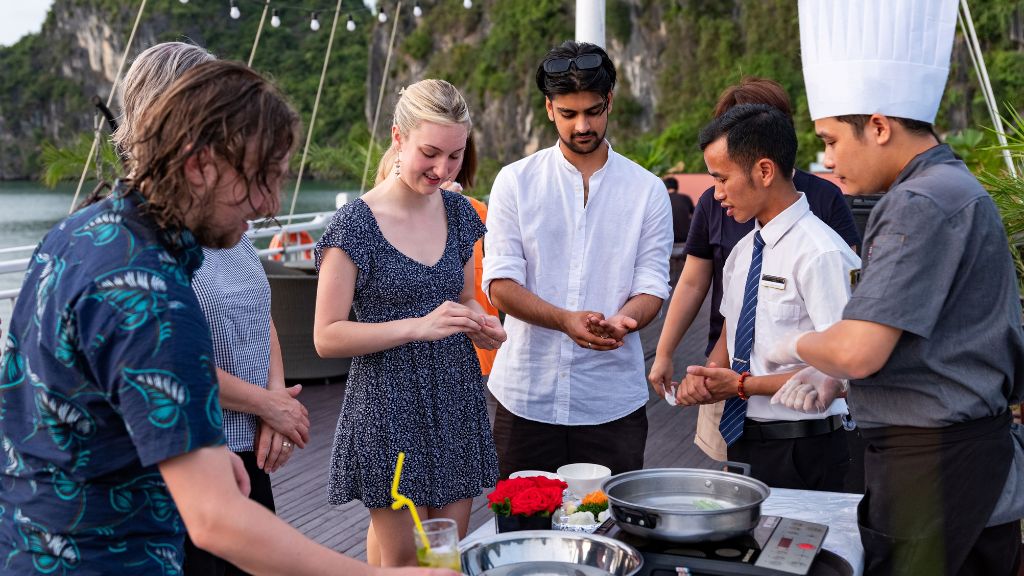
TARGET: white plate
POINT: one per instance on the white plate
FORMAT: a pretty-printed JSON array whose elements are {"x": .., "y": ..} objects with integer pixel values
[{"x": 528, "y": 473}]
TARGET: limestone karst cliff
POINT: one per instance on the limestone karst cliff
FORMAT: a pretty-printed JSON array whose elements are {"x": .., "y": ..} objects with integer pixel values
[{"x": 674, "y": 57}]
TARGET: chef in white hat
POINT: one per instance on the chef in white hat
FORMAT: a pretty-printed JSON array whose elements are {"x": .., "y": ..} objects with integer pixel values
[{"x": 931, "y": 338}]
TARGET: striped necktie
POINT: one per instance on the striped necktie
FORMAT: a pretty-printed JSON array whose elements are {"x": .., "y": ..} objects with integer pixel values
[{"x": 735, "y": 411}]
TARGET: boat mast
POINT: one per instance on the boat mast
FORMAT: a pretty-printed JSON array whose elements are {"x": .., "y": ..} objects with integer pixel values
[
  {"x": 110, "y": 99},
  {"x": 590, "y": 21},
  {"x": 316, "y": 106},
  {"x": 977, "y": 58},
  {"x": 380, "y": 94}
]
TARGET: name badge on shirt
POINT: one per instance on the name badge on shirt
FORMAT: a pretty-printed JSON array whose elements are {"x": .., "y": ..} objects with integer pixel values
[{"x": 775, "y": 282}]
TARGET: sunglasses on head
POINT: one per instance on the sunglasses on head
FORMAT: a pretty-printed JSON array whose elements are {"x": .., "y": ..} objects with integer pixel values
[{"x": 582, "y": 62}]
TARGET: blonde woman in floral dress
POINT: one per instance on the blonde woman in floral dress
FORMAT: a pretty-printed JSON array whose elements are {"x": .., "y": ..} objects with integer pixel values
[{"x": 401, "y": 257}]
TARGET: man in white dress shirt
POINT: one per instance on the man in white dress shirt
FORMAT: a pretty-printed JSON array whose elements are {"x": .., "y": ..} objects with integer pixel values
[
  {"x": 577, "y": 256},
  {"x": 790, "y": 273}
]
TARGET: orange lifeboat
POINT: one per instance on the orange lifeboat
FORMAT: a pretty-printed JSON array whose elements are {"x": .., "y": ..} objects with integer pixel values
[{"x": 294, "y": 239}]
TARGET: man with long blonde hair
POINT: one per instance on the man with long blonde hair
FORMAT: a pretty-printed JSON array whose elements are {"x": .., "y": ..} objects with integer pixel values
[{"x": 112, "y": 436}]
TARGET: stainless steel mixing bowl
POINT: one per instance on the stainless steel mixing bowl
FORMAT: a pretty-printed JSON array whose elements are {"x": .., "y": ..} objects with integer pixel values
[{"x": 549, "y": 553}]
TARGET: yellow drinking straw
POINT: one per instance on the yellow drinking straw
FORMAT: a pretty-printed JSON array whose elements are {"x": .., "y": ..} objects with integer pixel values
[{"x": 403, "y": 501}]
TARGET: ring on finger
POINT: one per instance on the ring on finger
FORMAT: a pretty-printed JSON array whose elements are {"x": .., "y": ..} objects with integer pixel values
[
  {"x": 286, "y": 444},
  {"x": 590, "y": 345}
]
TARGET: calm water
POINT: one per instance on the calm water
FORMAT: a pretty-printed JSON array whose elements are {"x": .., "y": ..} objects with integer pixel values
[{"x": 29, "y": 209}]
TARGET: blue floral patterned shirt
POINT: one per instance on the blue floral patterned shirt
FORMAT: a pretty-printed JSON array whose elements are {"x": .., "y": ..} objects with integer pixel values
[{"x": 106, "y": 372}]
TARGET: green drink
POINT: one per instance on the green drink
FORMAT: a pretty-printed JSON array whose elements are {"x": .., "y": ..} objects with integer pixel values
[
  {"x": 442, "y": 534},
  {"x": 445, "y": 557}
]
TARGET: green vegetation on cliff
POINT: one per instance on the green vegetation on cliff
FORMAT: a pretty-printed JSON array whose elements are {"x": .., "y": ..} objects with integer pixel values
[
  {"x": 32, "y": 83},
  {"x": 29, "y": 87},
  {"x": 686, "y": 51}
]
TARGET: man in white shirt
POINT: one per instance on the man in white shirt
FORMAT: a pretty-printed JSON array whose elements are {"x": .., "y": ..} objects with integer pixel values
[
  {"x": 791, "y": 273},
  {"x": 577, "y": 256}
]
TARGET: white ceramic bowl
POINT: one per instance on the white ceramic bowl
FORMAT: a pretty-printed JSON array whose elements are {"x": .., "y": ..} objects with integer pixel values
[
  {"x": 529, "y": 473},
  {"x": 584, "y": 478}
]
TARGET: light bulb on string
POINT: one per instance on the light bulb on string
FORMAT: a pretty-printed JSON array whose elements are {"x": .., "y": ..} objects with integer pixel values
[
  {"x": 381, "y": 16},
  {"x": 417, "y": 11},
  {"x": 235, "y": 12},
  {"x": 351, "y": 24},
  {"x": 314, "y": 23},
  {"x": 467, "y": 4},
  {"x": 183, "y": 1},
  {"x": 275, "y": 20}
]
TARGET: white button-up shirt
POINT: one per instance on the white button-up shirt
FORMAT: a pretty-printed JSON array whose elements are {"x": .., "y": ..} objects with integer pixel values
[
  {"x": 576, "y": 257},
  {"x": 805, "y": 284}
]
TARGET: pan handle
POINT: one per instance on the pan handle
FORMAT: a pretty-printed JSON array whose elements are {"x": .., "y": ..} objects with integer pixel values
[
  {"x": 736, "y": 467},
  {"x": 635, "y": 517}
]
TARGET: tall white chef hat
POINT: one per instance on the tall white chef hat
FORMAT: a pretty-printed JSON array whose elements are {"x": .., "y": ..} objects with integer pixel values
[{"x": 876, "y": 56}]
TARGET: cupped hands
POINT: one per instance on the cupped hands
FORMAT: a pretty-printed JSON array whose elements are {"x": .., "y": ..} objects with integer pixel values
[
  {"x": 577, "y": 326},
  {"x": 491, "y": 334},
  {"x": 447, "y": 319},
  {"x": 706, "y": 385},
  {"x": 614, "y": 328}
]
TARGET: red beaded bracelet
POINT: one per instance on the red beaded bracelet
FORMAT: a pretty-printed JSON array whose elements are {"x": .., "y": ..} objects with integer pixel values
[{"x": 739, "y": 387}]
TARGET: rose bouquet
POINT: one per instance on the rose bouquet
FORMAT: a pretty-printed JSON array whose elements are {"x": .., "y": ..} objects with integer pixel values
[
  {"x": 529, "y": 496},
  {"x": 525, "y": 503}
]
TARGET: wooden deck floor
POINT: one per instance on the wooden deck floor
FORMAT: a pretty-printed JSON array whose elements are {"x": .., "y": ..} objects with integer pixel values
[{"x": 300, "y": 488}]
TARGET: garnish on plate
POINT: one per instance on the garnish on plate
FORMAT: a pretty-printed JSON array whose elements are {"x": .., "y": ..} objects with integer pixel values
[{"x": 595, "y": 503}]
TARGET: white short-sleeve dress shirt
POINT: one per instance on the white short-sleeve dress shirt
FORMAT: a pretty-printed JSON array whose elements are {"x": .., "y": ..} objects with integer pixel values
[
  {"x": 805, "y": 284},
  {"x": 593, "y": 257}
]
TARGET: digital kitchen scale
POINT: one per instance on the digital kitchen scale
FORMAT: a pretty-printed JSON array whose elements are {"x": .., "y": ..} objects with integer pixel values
[{"x": 776, "y": 547}]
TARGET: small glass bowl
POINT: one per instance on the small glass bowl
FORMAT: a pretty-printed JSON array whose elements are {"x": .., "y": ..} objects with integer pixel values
[
  {"x": 556, "y": 524},
  {"x": 560, "y": 521}
]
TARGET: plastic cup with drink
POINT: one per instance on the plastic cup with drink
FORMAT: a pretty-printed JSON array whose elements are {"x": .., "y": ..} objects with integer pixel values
[{"x": 443, "y": 539}]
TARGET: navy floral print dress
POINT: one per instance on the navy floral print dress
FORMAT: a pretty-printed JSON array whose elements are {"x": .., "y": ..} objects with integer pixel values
[
  {"x": 422, "y": 398},
  {"x": 107, "y": 371}
]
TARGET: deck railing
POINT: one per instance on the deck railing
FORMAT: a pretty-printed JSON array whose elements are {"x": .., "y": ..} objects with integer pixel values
[{"x": 15, "y": 259}]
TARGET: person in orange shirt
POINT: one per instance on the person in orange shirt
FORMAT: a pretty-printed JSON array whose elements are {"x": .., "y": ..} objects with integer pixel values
[{"x": 465, "y": 177}]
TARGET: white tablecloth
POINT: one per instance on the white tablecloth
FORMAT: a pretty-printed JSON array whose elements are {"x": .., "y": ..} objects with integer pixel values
[{"x": 837, "y": 510}]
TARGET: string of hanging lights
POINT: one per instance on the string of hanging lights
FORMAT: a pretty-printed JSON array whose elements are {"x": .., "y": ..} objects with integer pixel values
[{"x": 235, "y": 12}]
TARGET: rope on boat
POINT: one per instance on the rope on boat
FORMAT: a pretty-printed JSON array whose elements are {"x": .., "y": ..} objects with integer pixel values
[
  {"x": 316, "y": 105},
  {"x": 380, "y": 97},
  {"x": 259, "y": 31},
  {"x": 977, "y": 58},
  {"x": 98, "y": 122}
]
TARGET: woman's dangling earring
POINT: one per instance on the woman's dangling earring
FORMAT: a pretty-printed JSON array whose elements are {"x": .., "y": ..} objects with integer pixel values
[{"x": 398, "y": 166}]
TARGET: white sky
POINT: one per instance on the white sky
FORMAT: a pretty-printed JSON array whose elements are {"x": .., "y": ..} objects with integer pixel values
[{"x": 21, "y": 17}]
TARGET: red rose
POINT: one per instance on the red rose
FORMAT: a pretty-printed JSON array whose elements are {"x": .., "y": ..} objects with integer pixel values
[
  {"x": 536, "y": 501},
  {"x": 506, "y": 489},
  {"x": 528, "y": 502},
  {"x": 526, "y": 496},
  {"x": 553, "y": 499},
  {"x": 516, "y": 485},
  {"x": 500, "y": 498},
  {"x": 543, "y": 482}
]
